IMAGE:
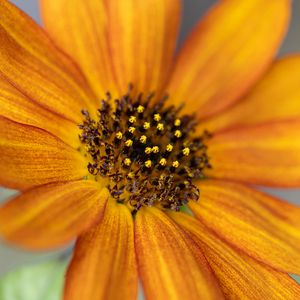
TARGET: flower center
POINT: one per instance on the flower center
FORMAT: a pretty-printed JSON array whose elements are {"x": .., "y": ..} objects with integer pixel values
[{"x": 145, "y": 151}]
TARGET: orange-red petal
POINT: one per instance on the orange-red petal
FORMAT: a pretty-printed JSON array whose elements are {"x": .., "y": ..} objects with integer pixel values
[
  {"x": 31, "y": 156},
  {"x": 227, "y": 53},
  {"x": 275, "y": 98},
  {"x": 30, "y": 61},
  {"x": 117, "y": 42},
  {"x": 142, "y": 36},
  {"x": 263, "y": 227},
  {"x": 52, "y": 215},
  {"x": 81, "y": 29},
  {"x": 103, "y": 265},
  {"x": 240, "y": 276},
  {"x": 267, "y": 154},
  {"x": 19, "y": 108},
  {"x": 170, "y": 265}
]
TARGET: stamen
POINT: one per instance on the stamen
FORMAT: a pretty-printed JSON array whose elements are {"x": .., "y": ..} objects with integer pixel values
[{"x": 144, "y": 169}]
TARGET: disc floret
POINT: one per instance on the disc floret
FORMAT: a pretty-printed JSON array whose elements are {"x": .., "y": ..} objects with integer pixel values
[{"x": 148, "y": 153}]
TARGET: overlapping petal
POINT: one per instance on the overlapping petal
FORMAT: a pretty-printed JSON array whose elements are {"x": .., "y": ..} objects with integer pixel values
[
  {"x": 31, "y": 156},
  {"x": 267, "y": 154},
  {"x": 227, "y": 53},
  {"x": 19, "y": 108},
  {"x": 30, "y": 61},
  {"x": 275, "y": 98},
  {"x": 117, "y": 42},
  {"x": 264, "y": 227},
  {"x": 170, "y": 265},
  {"x": 240, "y": 276},
  {"x": 52, "y": 215},
  {"x": 103, "y": 265}
]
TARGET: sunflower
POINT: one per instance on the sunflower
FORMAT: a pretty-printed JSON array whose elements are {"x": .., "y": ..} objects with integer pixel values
[{"x": 149, "y": 158}]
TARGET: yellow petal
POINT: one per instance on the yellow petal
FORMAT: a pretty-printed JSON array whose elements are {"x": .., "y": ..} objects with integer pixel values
[
  {"x": 240, "y": 276},
  {"x": 263, "y": 227},
  {"x": 267, "y": 154},
  {"x": 52, "y": 215},
  {"x": 227, "y": 53},
  {"x": 170, "y": 265},
  {"x": 30, "y": 61},
  {"x": 19, "y": 108},
  {"x": 117, "y": 42},
  {"x": 31, "y": 156},
  {"x": 103, "y": 265},
  {"x": 276, "y": 97}
]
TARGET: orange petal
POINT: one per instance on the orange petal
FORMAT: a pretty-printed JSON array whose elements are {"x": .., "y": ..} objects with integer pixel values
[
  {"x": 240, "y": 276},
  {"x": 31, "y": 156},
  {"x": 264, "y": 227},
  {"x": 142, "y": 36},
  {"x": 267, "y": 154},
  {"x": 276, "y": 97},
  {"x": 227, "y": 53},
  {"x": 103, "y": 265},
  {"x": 81, "y": 29},
  {"x": 170, "y": 265},
  {"x": 52, "y": 215},
  {"x": 30, "y": 61},
  {"x": 19, "y": 108}
]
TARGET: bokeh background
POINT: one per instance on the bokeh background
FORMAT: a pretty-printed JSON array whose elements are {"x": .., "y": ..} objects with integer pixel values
[{"x": 11, "y": 257}]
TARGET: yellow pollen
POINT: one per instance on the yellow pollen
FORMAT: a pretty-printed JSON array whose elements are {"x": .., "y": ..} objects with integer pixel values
[
  {"x": 132, "y": 119},
  {"x": 143, "y": 139},
  {"x": 175, "y": 164},
  {"x": 148, "y": 163},
  {"x": 148, "y": 150},
  {"x": 157, "y": 117},
  {"x": 119, "y": 135},
  {"x": 155, "y": 149},
  {"x": 127, "y": 161},
  {"x": 160, "y": 126},
  {"x": 129, "y": 143},
  {"x": 177, "y": 122},
  {"x": 146, "y": 125},
  {"x": 178, "y": 133},
  {"x": 130, "y": 174},
  {"x": 186, "y": 151},
  {"x": 169, "y": 148},
  {"x": 163, "y": 162},
  {"x": 140, "y": 109},
  {"x": 131, "y": 129}
]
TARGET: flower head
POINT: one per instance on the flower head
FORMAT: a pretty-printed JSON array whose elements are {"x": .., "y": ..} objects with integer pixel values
[{"x": 149, "y": 161}]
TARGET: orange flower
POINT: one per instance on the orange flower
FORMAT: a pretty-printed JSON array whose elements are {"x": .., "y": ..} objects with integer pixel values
[{"x": 119, "y": 185}]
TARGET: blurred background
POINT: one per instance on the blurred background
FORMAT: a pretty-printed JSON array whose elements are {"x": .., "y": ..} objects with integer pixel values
[{"x": 193, "y": 9}]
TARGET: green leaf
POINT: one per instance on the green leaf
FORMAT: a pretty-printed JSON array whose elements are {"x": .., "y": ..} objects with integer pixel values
[
  {"x": 34, "y": 282},
  {"x": 297, "y": 278}
]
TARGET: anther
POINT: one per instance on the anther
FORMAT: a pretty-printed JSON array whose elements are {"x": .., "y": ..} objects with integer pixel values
[
  {"x": 140, "y": 109},
  {"x": 157, "y": 117},
  {"x": 146, "y": 125},
  {"x": 127, "y": 162},
  {"x": 148, "y": 150},
  {"x": 169, "y": 148},
  {"x": 177, "y": 122},
  {"x": 155, "y": 149},
  {"x": 132, "y": 119},
  {"x": 119, "y": 135},
  {"x": 160, "y": 126},
  {"x": 186, "y": 151},
  {"x": 129, "y": 143},
  {"x": 131, "y": 129},
  {"x": 143, "y": 139},
  {"x": 178, "y": 133},
  {"x": 175, "y": 164},
  {"x": 148, "y": 163},
  {"x": 163, "y": 162}
]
